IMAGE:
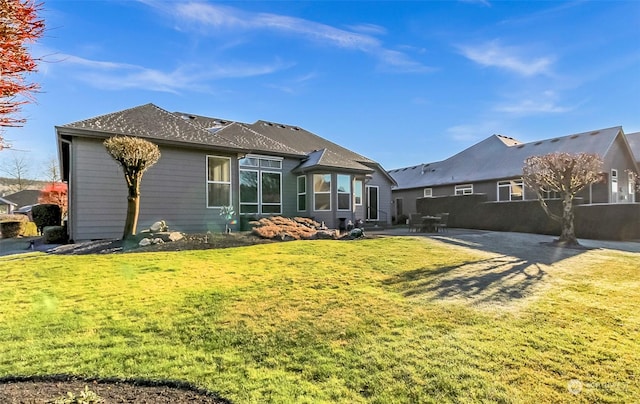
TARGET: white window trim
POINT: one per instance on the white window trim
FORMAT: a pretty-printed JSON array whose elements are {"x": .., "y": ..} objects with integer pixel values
[
  {"x": 263, "y": 157},
  {"x": 467, "y": 189},
  {"x": 260, "y": 202},
  {"x": 508, "y": 183},
  {"x": 260, "y": 194},
  {"x": 355, "y": 194},
  {"x": 329, "y": 192},
  {"x": 631, "y": 184},
  {"x": 299, "y": 194},
  {"x": 427, "y": 193},
  {"x": 217, "y": 182},
  {"x": 240, "y": 203},
  {"x": 338, "y": 193}
]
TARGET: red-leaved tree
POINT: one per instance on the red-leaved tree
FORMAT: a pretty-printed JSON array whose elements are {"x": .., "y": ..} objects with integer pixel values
[
  {"x": 19, "y": 26},
  {"x": 55, "y": 193}
]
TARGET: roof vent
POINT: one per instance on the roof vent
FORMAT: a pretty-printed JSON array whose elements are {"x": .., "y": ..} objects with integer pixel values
[
  {"x": 294, "y": 128},
  {"x": 594, "y": 133},
  {"x": 520, "y": 146},
  {"x": 554, "y": 140},
  {"x": 574, "y": 137},
  {"x": 537, "y": 143},
  {"x": 187, "y": 117},
  {"x": 281, "y": 126}
]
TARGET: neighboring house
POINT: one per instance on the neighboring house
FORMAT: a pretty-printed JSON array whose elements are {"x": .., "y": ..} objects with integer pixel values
[
  {"x": 263, "y": 168},
  {"x": 494, "y": 167},
  {"x": 7, "y": 206},
  {"x": 24, "y": 198}
]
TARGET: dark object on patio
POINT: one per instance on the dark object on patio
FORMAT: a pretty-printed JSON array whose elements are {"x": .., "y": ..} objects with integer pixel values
[
  {"x": 443, "y": 223},
  {"x": 415, "y": 222}
]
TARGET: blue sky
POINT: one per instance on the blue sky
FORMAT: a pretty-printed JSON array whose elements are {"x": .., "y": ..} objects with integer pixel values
[{"x": 400, "y": 82}]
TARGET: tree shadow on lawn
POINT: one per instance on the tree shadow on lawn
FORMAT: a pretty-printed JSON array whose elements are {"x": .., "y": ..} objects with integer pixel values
[{"x": 516, "y": 269}]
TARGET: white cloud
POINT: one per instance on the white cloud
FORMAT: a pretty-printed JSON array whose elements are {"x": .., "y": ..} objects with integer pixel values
[
  {"x": 219, "y": 18},
  {"x": 528, "y": 107},
  {"x": 544, "y": 103},
  {"x": 118, "y": 76},
  {"x": 493, "y": 54}
]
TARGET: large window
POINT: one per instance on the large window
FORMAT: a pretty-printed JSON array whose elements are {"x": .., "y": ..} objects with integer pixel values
[
  {"x": 465, "y": 189},
  {"x": 260, "y": 186},
  {"x": 357, "y": 192},
  {"x": 344, "y": 192},
  {"x": 512, "y": 190},
  {"x": 218, "y": 181},
  {"x": 321, "y": 191},
  {"x": 302, "y": 193}
]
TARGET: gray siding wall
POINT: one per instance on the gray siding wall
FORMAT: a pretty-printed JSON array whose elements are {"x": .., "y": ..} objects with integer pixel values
[{"x": 173, "y": 190}]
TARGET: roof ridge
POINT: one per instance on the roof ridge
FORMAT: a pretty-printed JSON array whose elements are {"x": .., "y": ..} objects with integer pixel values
[
  {"x": 255, "y": 132},
  {"x": 111, "y": 113}
]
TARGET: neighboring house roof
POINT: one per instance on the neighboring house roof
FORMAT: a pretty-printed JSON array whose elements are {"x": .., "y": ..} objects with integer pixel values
[
  {"x": 152, "y": 122},
  {"x": 500, "y": 157},
  {"x": 24, "y": 198},
  {"x": 634, "y": 143},
  {"x": 7, "y": 202}
]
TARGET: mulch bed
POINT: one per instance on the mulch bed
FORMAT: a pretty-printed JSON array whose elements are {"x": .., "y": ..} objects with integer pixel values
[{"x": 47, "y": 389}]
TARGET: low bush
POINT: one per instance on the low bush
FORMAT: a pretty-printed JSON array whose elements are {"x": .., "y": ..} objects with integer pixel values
[
  {"x": 46, "y": 215},
  {"x": 4, "y": 217},
  {"x": 11, "y": 229},
  {"x": 284, "y": 228},
  {"x": 29, "y": 229},
  {"x": 55, "y": 234}
]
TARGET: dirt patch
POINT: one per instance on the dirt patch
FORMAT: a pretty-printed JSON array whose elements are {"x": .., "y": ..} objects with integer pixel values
[{"x": 48, "y": 389}]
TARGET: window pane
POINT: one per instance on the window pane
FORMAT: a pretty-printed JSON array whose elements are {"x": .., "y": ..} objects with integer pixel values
[
  {"x": 302, "y": 202},
  {"x": 270, "y": 188},
  {"x": 322, "y": 182},
  {"x": 358, "y": 192},
  {"x": 343, "y": 201},
  {"x": 503, "y": 193},
  {"x": 219, "y": 169},
  {"x": 322, "y": 201},
  {"x": 248, "y": 186},
  {"x": 219, "y": 195},
  {"x": 302, "y": 185},
  {"x": 270, "y": 163},
  {"x": 344, "y": 183},
  {"x": 248, "y": 208},
  {"x": 249, "y": 161},
  {"x": 270, "y": 208}
]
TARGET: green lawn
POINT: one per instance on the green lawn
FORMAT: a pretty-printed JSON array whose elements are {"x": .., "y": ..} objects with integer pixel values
[{"x": 379, "y": 320}]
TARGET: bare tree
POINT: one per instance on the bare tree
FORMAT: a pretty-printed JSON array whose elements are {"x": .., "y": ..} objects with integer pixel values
[
  {"x": 567, "y": 174},
  {"x": 135, "y": 156},
  {"x": 17, "y": 170}
]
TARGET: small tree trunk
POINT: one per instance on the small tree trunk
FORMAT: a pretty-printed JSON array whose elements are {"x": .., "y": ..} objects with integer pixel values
[
  {"x": 131, "y": 222},
  {"x": 133, "y": 207},
  {"x": 568, "y": 234}
]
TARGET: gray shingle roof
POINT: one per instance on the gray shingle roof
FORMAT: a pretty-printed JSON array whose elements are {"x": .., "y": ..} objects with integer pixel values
[
  {"x": 152, "y": 122},
  {"x": 24, "y": 197},
  {"x": 499, "y": 157},
  {"x": 634, "y": 143}
]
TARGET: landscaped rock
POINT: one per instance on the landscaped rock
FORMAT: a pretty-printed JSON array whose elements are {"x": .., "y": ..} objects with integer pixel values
[
  {"x": 175, "y": 236},
  {"x": 144, "y": 242},
  {"x": 158, "y": 226}
]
